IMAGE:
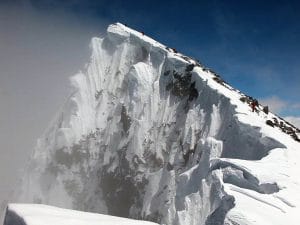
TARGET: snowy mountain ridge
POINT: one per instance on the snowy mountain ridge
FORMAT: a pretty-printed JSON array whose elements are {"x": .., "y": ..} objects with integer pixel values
[{"x": 151, "y": 134}]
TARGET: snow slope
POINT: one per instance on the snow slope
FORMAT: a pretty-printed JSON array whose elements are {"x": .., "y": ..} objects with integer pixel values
[
  {"x": 167, "y": 139},
  {"x": 36, "y": 214}
]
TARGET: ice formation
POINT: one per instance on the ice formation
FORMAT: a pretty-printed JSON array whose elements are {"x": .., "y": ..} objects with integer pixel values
[{"x": 151, "y": 134}]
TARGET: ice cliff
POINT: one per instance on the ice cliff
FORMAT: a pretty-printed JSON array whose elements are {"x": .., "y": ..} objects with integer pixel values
[{"x": 151, "y": 134}]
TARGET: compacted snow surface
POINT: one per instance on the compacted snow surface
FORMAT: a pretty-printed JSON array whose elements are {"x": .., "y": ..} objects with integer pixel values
[
  {"x": 35, "y": 214},
  {"x": 151, "y": 134}
]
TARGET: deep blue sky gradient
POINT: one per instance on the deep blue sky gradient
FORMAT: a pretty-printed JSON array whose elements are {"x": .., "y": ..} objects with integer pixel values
[{"x": 253, "y": 45}]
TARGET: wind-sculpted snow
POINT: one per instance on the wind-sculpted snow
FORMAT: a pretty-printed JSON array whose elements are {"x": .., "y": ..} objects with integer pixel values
[{"x": 151, "y": 134}]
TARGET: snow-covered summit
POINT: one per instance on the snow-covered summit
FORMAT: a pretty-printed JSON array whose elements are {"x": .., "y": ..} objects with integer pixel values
[
  {"x": 121, "y": 32},
  {"x": 167, "y": 140}
]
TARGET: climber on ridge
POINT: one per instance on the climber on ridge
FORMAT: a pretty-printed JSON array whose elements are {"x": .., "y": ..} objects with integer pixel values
[{"x": 254, "y": 104}]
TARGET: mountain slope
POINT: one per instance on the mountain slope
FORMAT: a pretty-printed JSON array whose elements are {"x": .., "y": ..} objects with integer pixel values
[{"x": 165, "y": 138}]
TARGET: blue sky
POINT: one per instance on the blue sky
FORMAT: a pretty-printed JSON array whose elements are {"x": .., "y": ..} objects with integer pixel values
[{"x": 254, "y": 45}]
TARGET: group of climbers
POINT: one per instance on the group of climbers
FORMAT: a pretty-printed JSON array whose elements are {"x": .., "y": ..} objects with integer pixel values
[{"x": 283, "y": 125}]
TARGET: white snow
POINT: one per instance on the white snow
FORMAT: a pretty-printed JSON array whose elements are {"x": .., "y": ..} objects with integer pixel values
[
  {"x": 37, "y": 214},
  {"x": 131, "y": 123}
]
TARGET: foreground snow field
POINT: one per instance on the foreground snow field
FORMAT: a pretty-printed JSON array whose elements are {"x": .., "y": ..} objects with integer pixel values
[
  {"x": 149, "y": 133},
  {"x": 36, "y": 214}
]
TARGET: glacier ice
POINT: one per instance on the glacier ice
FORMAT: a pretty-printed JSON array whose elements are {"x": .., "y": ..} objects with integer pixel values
[{"x": 151, "y": 134}]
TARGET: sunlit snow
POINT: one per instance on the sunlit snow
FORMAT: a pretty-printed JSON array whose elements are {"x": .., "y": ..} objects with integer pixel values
[{"x": 149, "y": 133}]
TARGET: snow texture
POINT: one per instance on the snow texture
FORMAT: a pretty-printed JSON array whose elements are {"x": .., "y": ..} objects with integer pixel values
[
  {"x": 151, "y": 134},
  {"x": 37, "y": 214}
]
